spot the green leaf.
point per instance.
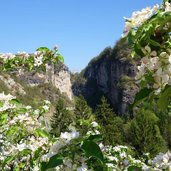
(37, 153)
(60, 57)
(95, 138)
(163, 100)
(25, 152)
(54, 161)
(41, 133)
(131, 36)
(3, 118)
(21, 110)
(92, 150)
(1, 104)
(15, 101)
(154, 43)
(44, 49)
(137, 49)
(134, 168)
(12, 131)
(141, 95)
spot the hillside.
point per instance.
(32, 87)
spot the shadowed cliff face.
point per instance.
(104, 75)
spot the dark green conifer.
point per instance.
(112, 126)
(144, 133)
(83, 115)
(61, 119)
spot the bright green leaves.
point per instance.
(92, 150)
(154, 43)
(34, 61)
(3, 118)
(41, 133)
(54, 161)
(95, 138)
(93, 153)
(151, 32)
(140, 96)
(43, 49)
(134, 168)
(164, 98)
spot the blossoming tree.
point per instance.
(25, 143)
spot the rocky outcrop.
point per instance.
(56, 75)
(104, 75)
(11, 84)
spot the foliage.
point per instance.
(24, 138)
(148, 32)
(105, 53)
(23, 60)
(61, 118)
(111, 125)
(145, 134)
(83, 115)
(122, 52)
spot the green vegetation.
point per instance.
(111, 125)
(144, 133)
(122, 51)
(61, 118)
(83, 115)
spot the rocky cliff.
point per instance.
(110, 74)
(56, 75)
(34, 87)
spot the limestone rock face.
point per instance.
(57, 75)
(11, 84)
(104, 76)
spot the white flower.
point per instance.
(69, 135)
(7, 56)
(110, 165)
(56, 47)
(36, 112)
(83, 168)
(47, 101)
(167, 6)
(45, 107)
(28, 107)
(47, 156)
(94, 124)
(112, 158)
(126, 162)
(22, 146)
(123, 155)
(74, 134)
(6, 97)
(68, 163)
(36, 168)
(57, 146)
(38, 60)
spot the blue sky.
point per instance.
(81, 28)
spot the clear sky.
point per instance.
(81, 28)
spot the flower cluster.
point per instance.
(149, 34)
(25, 144)
(30, 60)
(156, 67)
(22, 135)
(139, 17)
(162, 161)
(5, 102)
